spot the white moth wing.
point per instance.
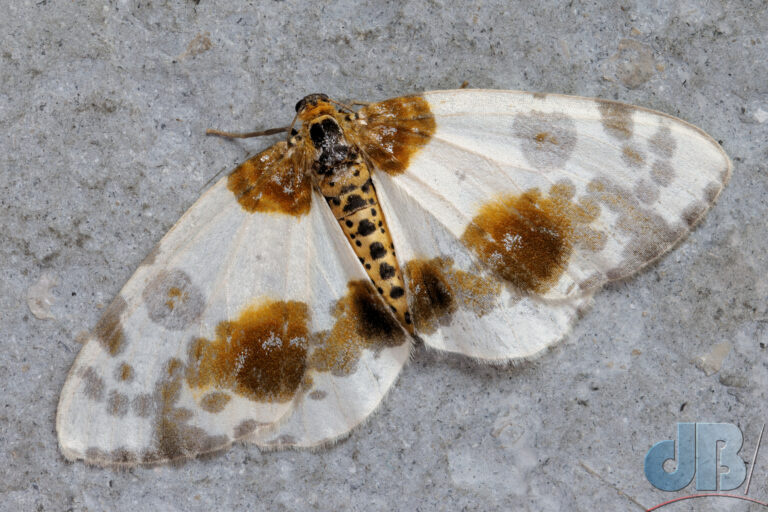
(342, 398)
(213, 338)
(127, 398)
(614, 185)
(337, 404)
(458, 304)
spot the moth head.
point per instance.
(310, 100)
(313, 106)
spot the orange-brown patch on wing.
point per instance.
(125, 372)
(273, 182)
(527, 239)
(390, 132)
(261, 355)
(437, 289)
(363, 321)
(109, 329)
(581, 213)
(542, 138)
(215, 402)
(174, 294)
(632, 156)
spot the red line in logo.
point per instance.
(715, 495)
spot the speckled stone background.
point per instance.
(103, 108)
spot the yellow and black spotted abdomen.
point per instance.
(352, 197)
(343, 177)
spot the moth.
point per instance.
(281, 307)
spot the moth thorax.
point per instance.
(331, 148)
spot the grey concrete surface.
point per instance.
(103, 108)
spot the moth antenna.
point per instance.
(291, 131)
(342, 105)
(211, 179)
(234, 135)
